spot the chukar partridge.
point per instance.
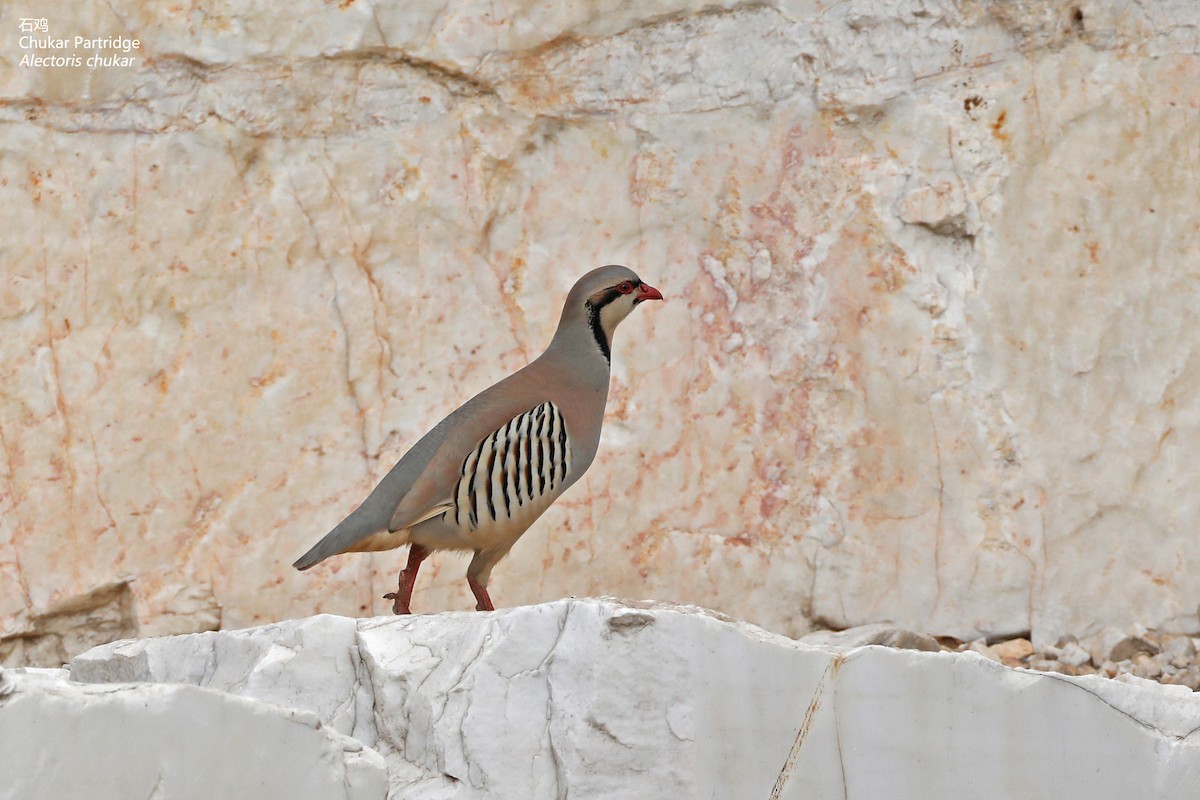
(480, 478)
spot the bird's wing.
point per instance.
(433, 488)
(440, 508)
(523, 460)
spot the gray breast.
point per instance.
(516, 471)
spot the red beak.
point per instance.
(648, 292)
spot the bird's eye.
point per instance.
(624, 287)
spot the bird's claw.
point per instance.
(396, 607)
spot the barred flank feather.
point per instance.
(522, 462)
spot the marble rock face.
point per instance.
(63, 739)
(926, 356)
(609, 699)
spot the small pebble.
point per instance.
(980, 646)
(1130, 647)
(1179, 647)
(1074, 655)
(1144, 666)
(1015, 649)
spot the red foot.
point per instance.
(482, 601)
(408, 577)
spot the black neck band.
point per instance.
(593, 312)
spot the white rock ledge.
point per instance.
(61, 740)
(583, 699)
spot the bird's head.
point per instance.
(604, 297)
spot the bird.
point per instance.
(486, 472)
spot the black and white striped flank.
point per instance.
(519, 464)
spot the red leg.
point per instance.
(482, 601)
(408, 577)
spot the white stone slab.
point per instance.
(607, 699)
(315, 658)
(171, 742)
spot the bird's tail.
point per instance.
(350, 534)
